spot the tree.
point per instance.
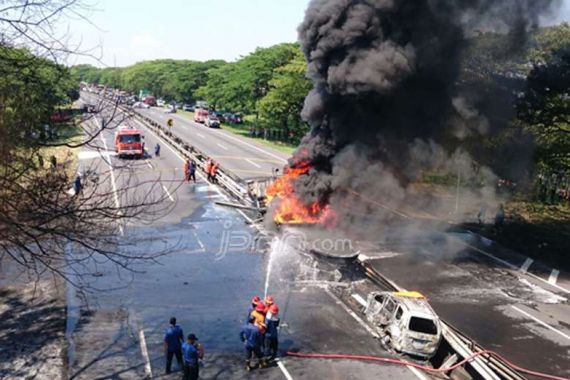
(240, 85)
(545, 109)
(282, 105)
(39, 218)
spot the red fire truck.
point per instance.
(129, 142)
(200, 115)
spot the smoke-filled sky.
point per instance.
(133, 30)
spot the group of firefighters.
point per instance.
(260, 333)
(190, 170)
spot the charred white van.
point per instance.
(406, 321)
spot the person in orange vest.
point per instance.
(268, 302)
(259, 315)
(209, 167)
(214, 171)
(187, 170)
(254, 301)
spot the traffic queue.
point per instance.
(260, 333)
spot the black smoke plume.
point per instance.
(386, 93)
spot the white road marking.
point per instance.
(149, 164)
(202, 248)
(284, 370)
(253, 163)
(553, 276)
(144, 350)
(352, 313)
(200, 135)
(527, 263)
(168, 193)
(177, 154)
(417, 372)
(514, 267)
(222, 146)
(113, 182)
(541, 322)
(359, 299)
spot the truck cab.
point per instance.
(129, 142)
(200, 115)
(406, 321)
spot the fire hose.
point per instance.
(423, 367)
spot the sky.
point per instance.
(123, 32)
(128, 31)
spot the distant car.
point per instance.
(220, 117)
(234, 118)
(160, 102)
(141, 105)
(212, 121)
(170, 109)
(188, 107)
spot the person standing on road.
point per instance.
(77, 186)
(213, 171)
(209, 167)
(187, 170)
(251, 337)
(272, 334)
(259, 315)
(157, 150)
(191, 356)
(192, 175)
(254, 301)
(173, 338)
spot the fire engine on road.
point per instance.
(129, 142)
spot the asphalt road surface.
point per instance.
(504, 307)
(244, 157)
(204, 278)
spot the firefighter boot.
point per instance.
(248, 366)
(263, 363)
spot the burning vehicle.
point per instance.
(406, 321)
(288, 207)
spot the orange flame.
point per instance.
(290, 209)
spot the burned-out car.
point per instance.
(406, 321)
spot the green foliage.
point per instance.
(172, 79)
(282, 105)
(545, 110)
(31, 88)
(240, 85)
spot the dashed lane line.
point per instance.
(113, 182)
(544, 324)
(222, 146)
(527, 263)
(144, 351)
(253, 163)
(284, 370)
(513, 267)
(553, 278)
(168, 193)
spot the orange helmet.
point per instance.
(274, 309)
(260, 307)
(269, 300)
(255, 300)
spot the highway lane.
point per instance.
(203, 281)
(506, 311)
(244, 157)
